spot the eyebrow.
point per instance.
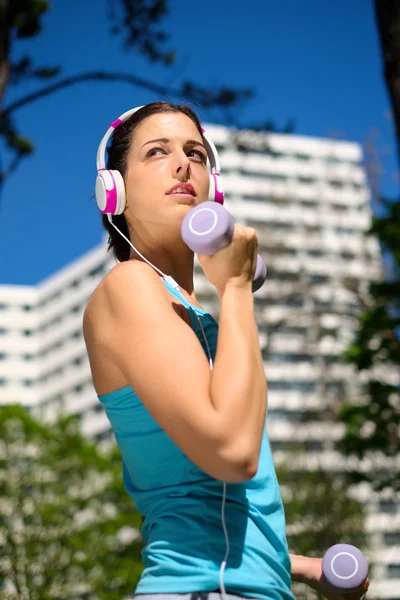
(166, 141)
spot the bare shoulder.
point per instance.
(118, 283)
(124, 301)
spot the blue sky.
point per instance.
(315, 62)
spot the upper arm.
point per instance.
(164, 362)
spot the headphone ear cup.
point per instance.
(216, 189)
(120, 188)
(211, 189)
(110, 192)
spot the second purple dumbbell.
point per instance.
(208, 228)
(345, 568)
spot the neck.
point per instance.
(179, 264)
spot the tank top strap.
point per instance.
(177, 294)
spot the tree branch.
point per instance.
(184, 92)
(11, 168)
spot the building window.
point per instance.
(286, 357)
(55, 296)
(315, 252)
(387, 506)
(104, 436)
(286, 330)
(293, 416)
(343, 231)
(312, 446)
(340, 208)
(332, 160)
(27, 332)
(291, 302)
(277, 176)
(311, 228)
(336, 184)
(96, 271)
(273, 153)
(3, 331)
(308, 204)
(254, 198)
(319, 278)
(27, 356)
(393, 571)
(3, 356)
(347, 255)
(292, 386)
(304, 179)
(3, 306)
(392, 539)
(286, 446)
(27, 382)
(3, 382)
(27, 308)
(322, 307)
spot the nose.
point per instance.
(182, 171)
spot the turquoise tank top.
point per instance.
(183, 532)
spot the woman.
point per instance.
(196, 457)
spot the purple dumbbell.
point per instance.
(208, 228)
(345, 568)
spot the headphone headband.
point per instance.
(101, 152)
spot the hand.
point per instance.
(312, 576)
(235, 264)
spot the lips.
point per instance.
(183, 188)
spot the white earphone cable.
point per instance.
(132, 246)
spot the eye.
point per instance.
(199, 155)
(154, 151)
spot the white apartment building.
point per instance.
(309, 202)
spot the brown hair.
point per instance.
(117, 154)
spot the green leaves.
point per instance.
(67, 526)
(136, 21)
(319, 513)
(25, 16)
(373, 423)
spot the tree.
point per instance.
(387, 13)
(373, 421)
(136, 21)
(68, 529)
(319, 513)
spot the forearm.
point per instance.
(238, 385)
(299, 566)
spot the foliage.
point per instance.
(319, 513)
(68, 529)
(373, 424)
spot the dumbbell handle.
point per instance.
(345, 568)
(208, 228)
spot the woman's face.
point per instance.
(167, 153)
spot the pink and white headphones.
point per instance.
(110, 187)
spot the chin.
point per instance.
(188, 201)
